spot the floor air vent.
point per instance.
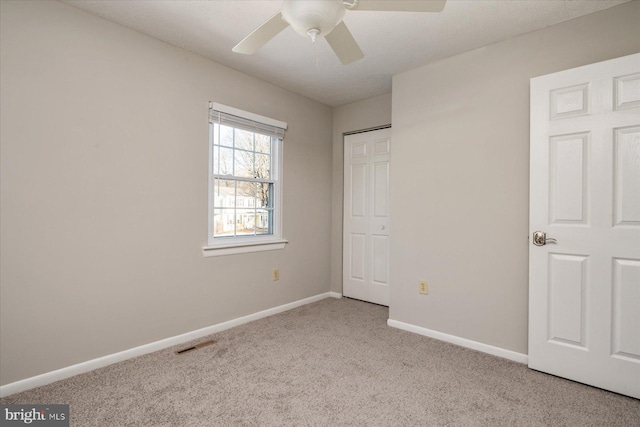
(195, 347)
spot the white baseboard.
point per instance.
(90, 365)
(463, 342)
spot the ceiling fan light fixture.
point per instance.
(324, 18)
(313, 18)
(313, 33)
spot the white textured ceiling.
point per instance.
(391, 41)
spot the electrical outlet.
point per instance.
(275, 274)
(423, 288)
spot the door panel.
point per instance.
(380, 257)
(358, 190)
(358, 256)
(626, 148)
(626, 315)
(366, 216)
(627, 91)
(584, 284)
(567, 176)
(567, 299)
(381, 189)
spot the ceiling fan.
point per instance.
(324, 18)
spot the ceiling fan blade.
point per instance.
(343, 44)
(261, 35)
(401, 5)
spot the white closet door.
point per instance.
(366, 216)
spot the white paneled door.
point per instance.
(584, 256)
(366, 216)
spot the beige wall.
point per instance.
(365, 114)
(104, 145)
(460, 176)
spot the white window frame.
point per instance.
(228, 245)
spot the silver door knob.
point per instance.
(540, 238)
(382, 227)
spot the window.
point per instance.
(245, 164)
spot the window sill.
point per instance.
(242, 248)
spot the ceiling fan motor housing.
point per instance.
(312, 18)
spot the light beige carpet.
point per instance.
(331, 363)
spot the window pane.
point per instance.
(263, 144)
(222, 161)
(246, 194)
(244, 140)
(264, 195)
(244, 163)
(245, 222)
(223, 222)
(213, 129)
(263, 166)
(226, 136)
(224, 193)
(215, 154)
(264, 221)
